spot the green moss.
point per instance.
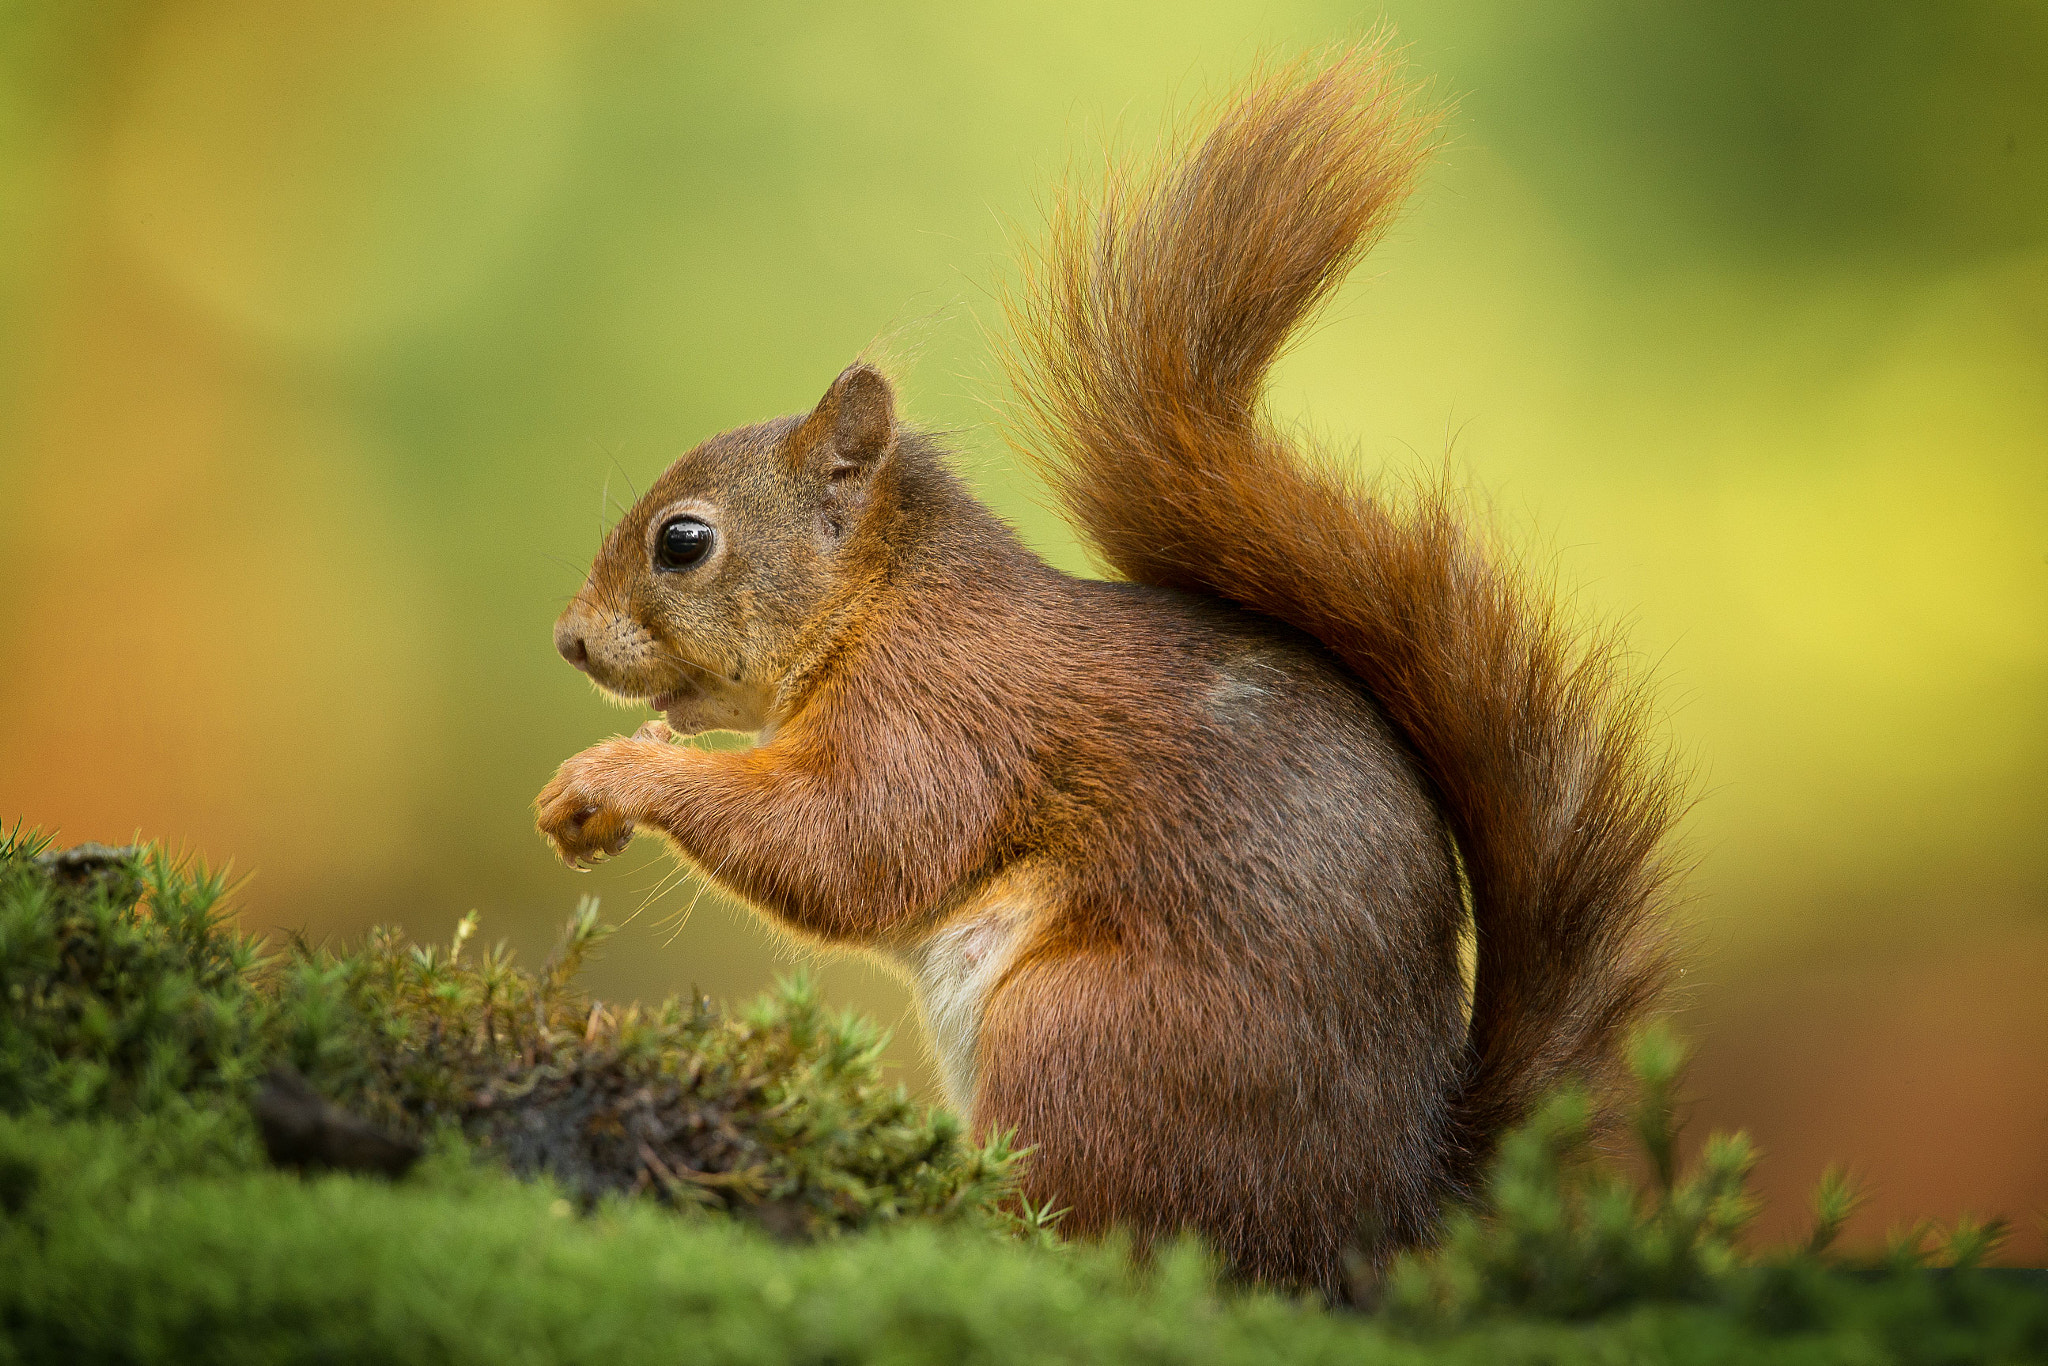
(102, 1262)
(105, 1010)
(128, 995)
(1562, 1232)
(139, 1221)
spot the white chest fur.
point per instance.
(953, 970)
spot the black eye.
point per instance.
(682, 543)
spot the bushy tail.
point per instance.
(1142, 336)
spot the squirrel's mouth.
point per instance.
(667, 702)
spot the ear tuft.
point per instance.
(854, 425)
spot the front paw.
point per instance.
(581, 810)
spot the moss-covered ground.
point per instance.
(682, 1184)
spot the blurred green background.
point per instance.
(325, 329)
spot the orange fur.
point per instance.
(1174, 863)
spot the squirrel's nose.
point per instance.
(569, 640)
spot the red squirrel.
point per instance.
(1178, 864)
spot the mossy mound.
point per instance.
(129, 995)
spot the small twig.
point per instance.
(744, 1183)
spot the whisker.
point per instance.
(702, 887)
(620, 465)
(567, 564)
(662, 884)
(668, 653)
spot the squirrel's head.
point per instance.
(718, 582)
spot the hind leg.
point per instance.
(1160, 1101)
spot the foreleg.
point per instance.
(832, 851)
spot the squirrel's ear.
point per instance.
(852, 427)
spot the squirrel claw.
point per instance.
(584, 827)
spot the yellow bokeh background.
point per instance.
(331, 334)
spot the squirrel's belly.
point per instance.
(954, 966)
